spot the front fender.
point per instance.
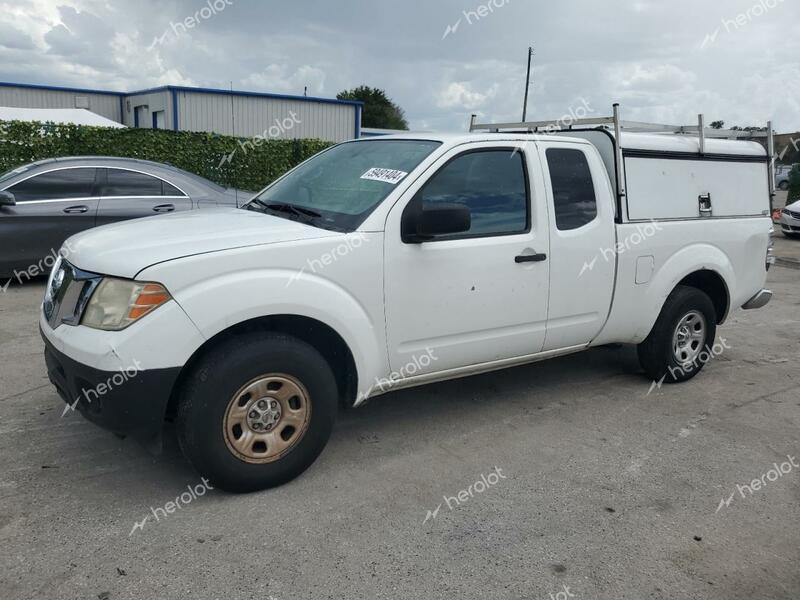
(218, 303)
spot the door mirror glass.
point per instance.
(427, 221)
(7, 199)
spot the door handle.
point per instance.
(71, 210)
(530, 258)
(164, 208)
(704, 201)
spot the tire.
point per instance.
(689, 307)
(791, 236)
(221, 394)
(783, 186)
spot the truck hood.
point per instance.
(124, 249)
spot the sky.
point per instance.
(440, 60)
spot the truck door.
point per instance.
(478, 296)
(583, 243)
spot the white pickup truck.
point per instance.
(387, 263)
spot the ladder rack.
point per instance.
(618, 126)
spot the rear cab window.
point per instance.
(574, 196)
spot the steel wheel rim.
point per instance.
(689, 337)
(266, 418)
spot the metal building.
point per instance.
(243, 114)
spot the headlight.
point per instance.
(116, 303)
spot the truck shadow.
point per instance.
(456, 406)
(533, 386)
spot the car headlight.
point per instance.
(116, 303)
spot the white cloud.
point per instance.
(460, 95)
(639, 52)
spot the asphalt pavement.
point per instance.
(575, 478)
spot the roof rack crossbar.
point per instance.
(618, 126)
(567, 123)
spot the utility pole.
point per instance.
(527, 85)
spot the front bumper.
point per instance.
(760, 300)
(789, 224)
(127, 402)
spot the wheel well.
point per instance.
(319, 335)
(714, 286)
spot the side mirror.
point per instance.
(7, 199)
(422, 222)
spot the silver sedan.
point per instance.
(44, 203)
(790, 220)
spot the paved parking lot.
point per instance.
(570, 479)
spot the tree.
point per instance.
(717, 125)
(750, 128)
(379, 111)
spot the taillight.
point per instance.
(771, 248)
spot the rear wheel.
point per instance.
(681, 341)
(783, 185)
(256, 411)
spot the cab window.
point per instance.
(494, 186)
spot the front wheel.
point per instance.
(256, 411)
(681, 341)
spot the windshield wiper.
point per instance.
(300, 211)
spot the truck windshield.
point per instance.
(340, 187)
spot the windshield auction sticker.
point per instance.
(385, 175)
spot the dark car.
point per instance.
(44, 203)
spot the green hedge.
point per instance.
(249, 168)
(794, 185)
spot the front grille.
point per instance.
(67, 293)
